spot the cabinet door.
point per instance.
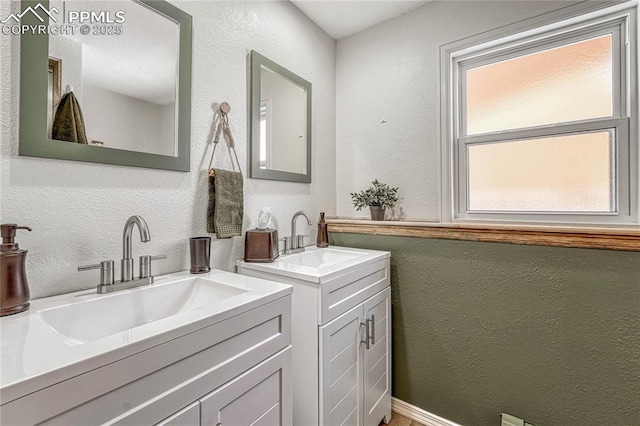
(260, 397)
(189, 416)
(377, 359)
(340, 370)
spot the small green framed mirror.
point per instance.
(124, 65)
(280, 116)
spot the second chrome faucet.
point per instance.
(295, 243)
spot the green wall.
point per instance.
(548, 334)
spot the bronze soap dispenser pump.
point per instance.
(14, 289)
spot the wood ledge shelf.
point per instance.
(600, 238)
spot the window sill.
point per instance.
(553, 236)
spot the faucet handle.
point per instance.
(106, 271)
(300, 241)
(288, 243)
(145, 264)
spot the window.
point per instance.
(542, 126)
(265, 134)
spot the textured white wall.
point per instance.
(77, 210)
(392, 72)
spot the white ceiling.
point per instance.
(342, 18)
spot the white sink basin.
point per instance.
(316, 264)
(85, 321)
(321, 258)
(63, 336)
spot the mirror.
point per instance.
(280, 117)
(124, 67)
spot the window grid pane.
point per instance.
(567, 83)
(569, 173)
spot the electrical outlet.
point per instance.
(509, 420)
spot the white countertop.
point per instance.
(33, 355)
(292, 266)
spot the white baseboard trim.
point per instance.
(418, 414)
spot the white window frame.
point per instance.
(266, 116)
(525, 38)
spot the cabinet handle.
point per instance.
(366, 333)
(371, 328)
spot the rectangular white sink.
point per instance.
(62, 336)
(319, 259)
(85, 321)
(318, 264)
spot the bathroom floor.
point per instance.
(398, 420)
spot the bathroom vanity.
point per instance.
(208, 349)
(341, 333)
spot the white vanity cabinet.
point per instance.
(341, 334)
(231, 370)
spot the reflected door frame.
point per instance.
(54, 91)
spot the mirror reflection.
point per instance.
(280, 123)
(121, 79)
(283, 123)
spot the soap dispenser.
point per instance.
(323, 233)
(14, 289)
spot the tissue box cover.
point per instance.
(261, 245)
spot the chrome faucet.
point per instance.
(295, 242)
(126, 271)
(107, 283)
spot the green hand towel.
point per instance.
(68, 124)
(225, 207)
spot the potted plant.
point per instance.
(377, 197)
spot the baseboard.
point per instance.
(418, 414)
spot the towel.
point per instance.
(68, 124)
(225, 207)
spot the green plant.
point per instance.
(379, 194)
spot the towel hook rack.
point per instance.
(222, 125)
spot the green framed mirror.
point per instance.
(127, 64)
(280, 117)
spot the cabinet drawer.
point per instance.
(189, 416)
(342, 293)
(150, 386)
(261, 396)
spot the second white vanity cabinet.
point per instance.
(341, 333)
(355, 373)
